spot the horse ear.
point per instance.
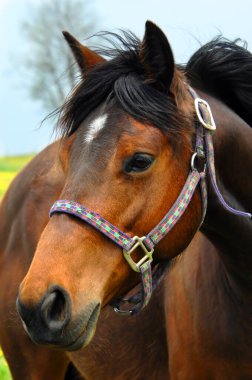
(156, 57)
(85, 57)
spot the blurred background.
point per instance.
(34, 75)
(36, 68)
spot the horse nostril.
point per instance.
(56, 309)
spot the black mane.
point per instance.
(220, 67)
(121, 80)
(224, 69)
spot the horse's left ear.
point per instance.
(85, 57)
(156, 57)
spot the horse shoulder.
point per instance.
(25, 206)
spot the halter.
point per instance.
(203, 152)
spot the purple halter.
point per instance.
(204, 151)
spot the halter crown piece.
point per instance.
(204, 151)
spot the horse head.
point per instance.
(127, 141)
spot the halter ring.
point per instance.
(147, 257)
(194, 157)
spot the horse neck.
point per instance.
(231, 234)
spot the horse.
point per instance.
(134, 162)
(29, 361)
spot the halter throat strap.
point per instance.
(206, 119)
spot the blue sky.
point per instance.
(184, 22)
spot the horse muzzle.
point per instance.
(50, 322)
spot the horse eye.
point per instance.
(138, 163)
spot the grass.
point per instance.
(4, 370)
(9, 166)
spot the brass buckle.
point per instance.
(147, 256)
(210, 123)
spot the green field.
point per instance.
(4, 370)
(9, 166)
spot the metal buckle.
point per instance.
(147, 256)
(210, 123)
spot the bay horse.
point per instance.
(136, 142)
